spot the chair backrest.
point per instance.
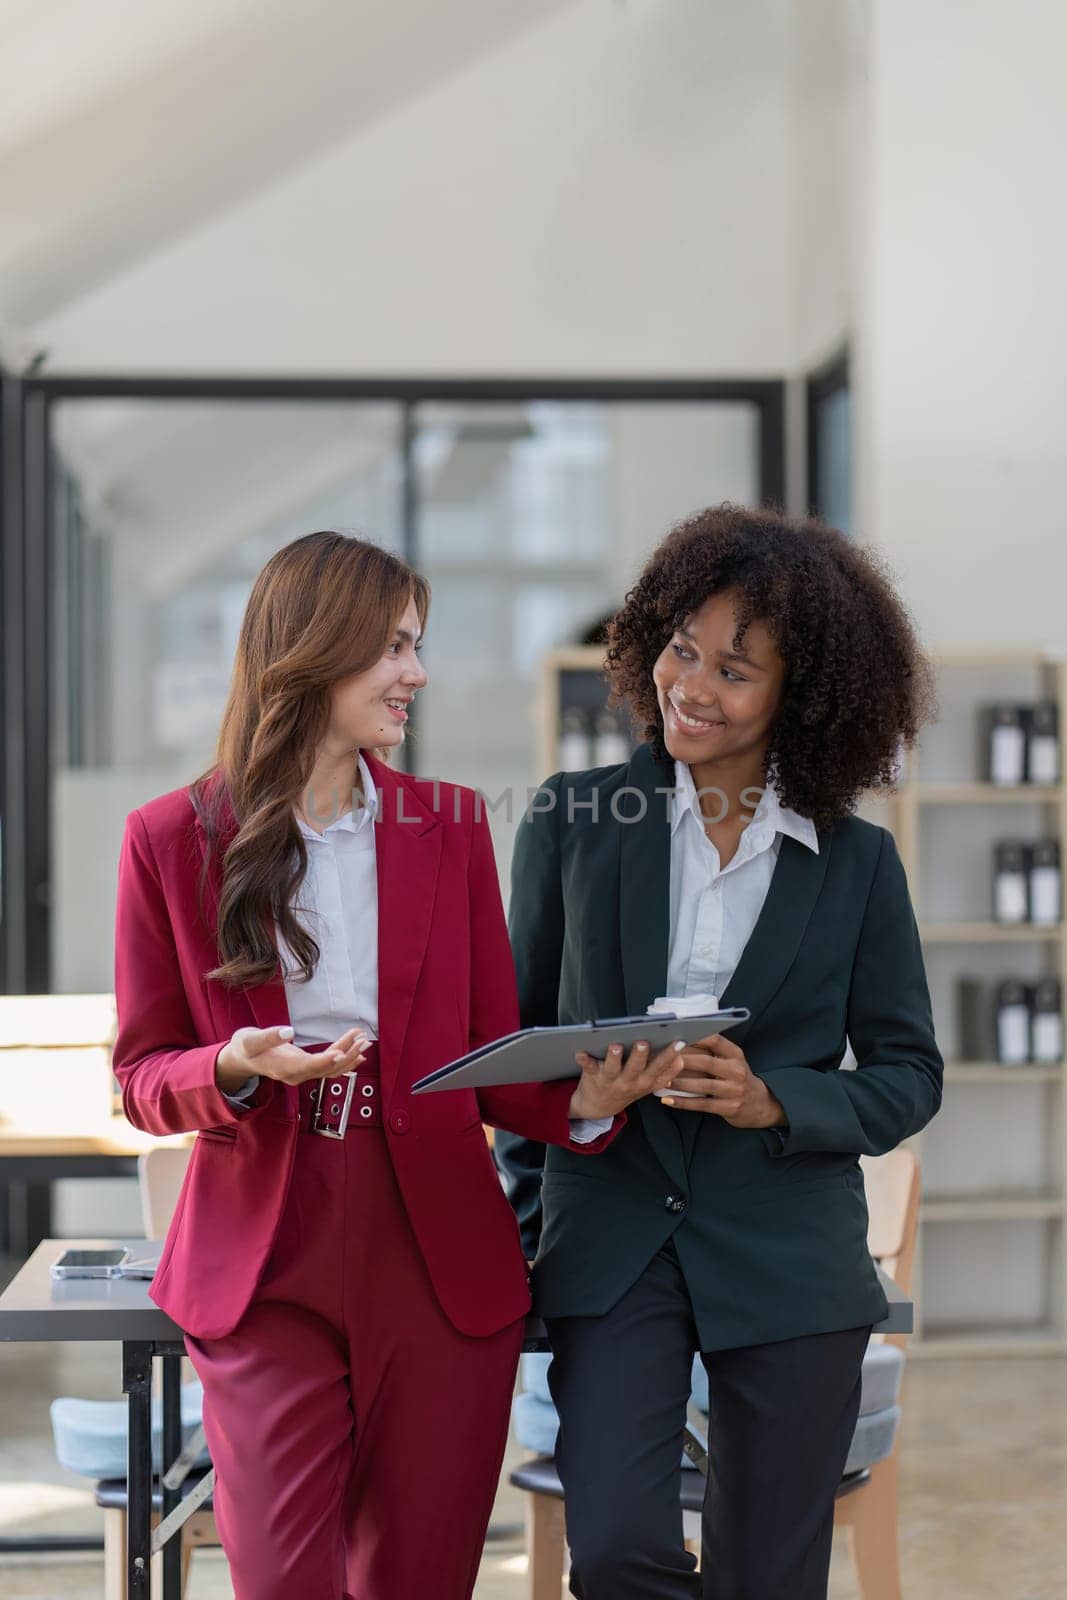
(160, 1172)
(893, 1184)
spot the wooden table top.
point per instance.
(113, 1137)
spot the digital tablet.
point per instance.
(539, 1055)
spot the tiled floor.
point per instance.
(984, 1484)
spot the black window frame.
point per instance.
(821, 385)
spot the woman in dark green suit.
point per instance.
(778, 679)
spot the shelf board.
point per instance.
(959, 1343)
(984, 794)
(998, 658)
(992, 1207)
(987, 933)
(997, 1072)
(578, 658)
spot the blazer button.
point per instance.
(674, 1202)
(399, 1121)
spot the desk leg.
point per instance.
(29, 1217)
(137, 1385)
(172, 1444)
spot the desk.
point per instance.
(34, 1307)
(33, 1160)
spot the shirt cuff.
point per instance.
(585, 1129)
(239, 1098)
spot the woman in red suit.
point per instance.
(300, 935)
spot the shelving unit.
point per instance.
(990, 1341)
(988, 794)
(984, 933)
(996, 1072)
(583, 662)
(993, 1207)
(980, 1110)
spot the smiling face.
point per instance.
(369, 710)
(719, 703)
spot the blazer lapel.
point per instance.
(775, 941)
(644, 923)
(408, 844)
(773, 944)
(644, 883)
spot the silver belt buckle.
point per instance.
(346, 1082)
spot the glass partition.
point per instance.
(532, 520)
(530, 516)
(163, 512)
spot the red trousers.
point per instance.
(356, 1436)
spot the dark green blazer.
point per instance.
(770, 1228)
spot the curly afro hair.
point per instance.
(857, 685)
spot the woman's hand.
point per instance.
(269, 1053)
(716, 1072)
(609, 1086)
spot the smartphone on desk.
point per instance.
(103, 1263)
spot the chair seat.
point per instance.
(91, 1435)
(882, 1368)
(540, 1477)
(536, 1423)
(873, 1439)
(110, 1493)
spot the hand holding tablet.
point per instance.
(539, 1055)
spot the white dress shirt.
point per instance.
(338, 905)
(714, 909)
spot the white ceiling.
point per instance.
(123, 125)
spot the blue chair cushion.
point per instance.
(536, 1424)
(533, 1372)
(883, 1368)
(90, 1435)
(873, 1439)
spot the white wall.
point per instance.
(124, 126)
(610, 192)
(962, 332)
(829, 46)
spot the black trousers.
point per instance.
(781, 1422)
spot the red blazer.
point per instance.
(446, 985)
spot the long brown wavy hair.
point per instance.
(323, 607)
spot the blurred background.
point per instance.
(509, 286)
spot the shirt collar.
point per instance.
(360, 816)
(770, 818)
